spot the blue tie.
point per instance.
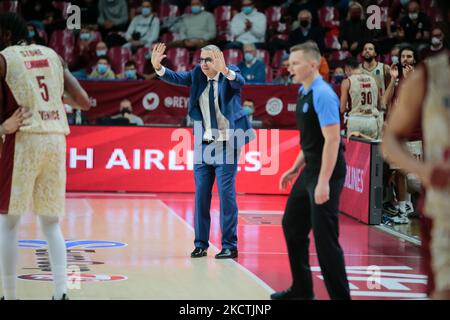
(212, 108)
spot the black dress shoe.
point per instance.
(288, 294)
(198, 253)
(227, 254)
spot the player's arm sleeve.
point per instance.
(326, 104)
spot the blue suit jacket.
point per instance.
(229, 96)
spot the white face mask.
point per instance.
(413, 16)
(435, 41)
(394, 60)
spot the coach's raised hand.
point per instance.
(219, 62)
(158, 55)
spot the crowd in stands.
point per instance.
(256, 35)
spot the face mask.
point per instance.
(101, 53)
(146, 12)
(404, 2)
(196, 9)
(338, 78)
(130, 74)
(248, 111)
(413, 16)
(125, 110)
(85, 36)
(304, 23)
(435, 41)
(31, 34)
(394, 60)
(102, 68)
(247, 9)
(248, 57)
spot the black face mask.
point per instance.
(304, 23)
(126, 110)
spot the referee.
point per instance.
(314, 199)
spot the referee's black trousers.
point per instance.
(302, 214)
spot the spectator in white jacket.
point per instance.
(248, 26)
(143, 29)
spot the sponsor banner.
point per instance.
(157, 102)
(143, 159)
(84, 277)
(356, 193)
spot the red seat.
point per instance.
(167, 37)
(179, 58)
(140, 59)
(168, 10)
(276, 60)
(62, 6)
(273, 15)
(332, 41)
(10, 6)
(387, 59)
(269, 73)
(233, 56)
(339, 55)
(329, 17)
(63, 42)
(222, 15)
(263, 55)
(196, 56)
(43, 35)
(118, 56)
(384, 16)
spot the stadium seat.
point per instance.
(233, 56)
(332, 41)
(168, 10)
(269, 74)
(276, 60)
(196, 56)
(140, 59)
(168, 37)
(273, 15)
(63, 42)
(10, 6)
(264, 56)
(179, 57)
(62, 6)
(329, 17)
(337, 56)
(222, 14)
(118, 56)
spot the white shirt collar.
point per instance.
(216, 78)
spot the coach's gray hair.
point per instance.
(310, 48)
(210, 47)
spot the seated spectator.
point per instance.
(354, 32)
(101, 49)
(303, 31)
(33, 35)
(103, 70)
(126, 112)
(252, 69)
(113, 17)
(248, 26)
(196, 29)
(86, 56)
(415, 27)
(130, 72)
(397, 10)
(249, 108)
(295, 6)
(436, 46)
(338, 76)
(283, 73)
(143, 29)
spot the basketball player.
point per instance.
(32, 166)
(361, 92)
(425, 98)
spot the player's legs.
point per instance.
(57, 253)
(9, 226)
